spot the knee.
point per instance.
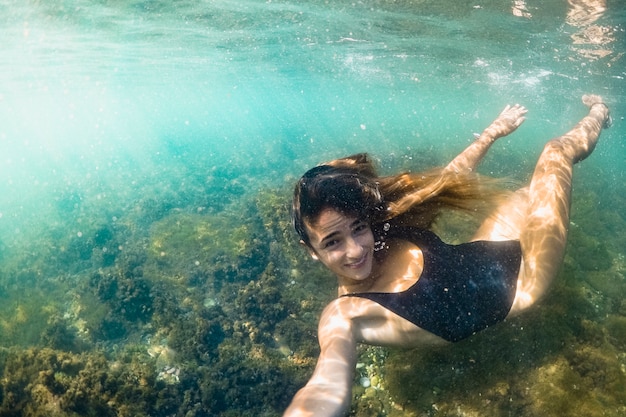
(573, 147)
(554, 146)
(560, 149)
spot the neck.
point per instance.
(355, 287)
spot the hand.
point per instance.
(510, 119)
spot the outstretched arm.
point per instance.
(509, 120)
(328, 392)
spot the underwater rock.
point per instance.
(59, 334)
(299, 335)
(199, 338)
(272, 207)
(78, 247)
(110, 328)
(260, 304)
(45, 382)
(69, 201)
(121, 303)
(127, 294)
(590, 253)
(220, 248)
(102, 236)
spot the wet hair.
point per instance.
(347, 185)
(351, 186)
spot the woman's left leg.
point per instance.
(538, 215)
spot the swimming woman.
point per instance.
(399, 284)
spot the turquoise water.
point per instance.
(147, 152)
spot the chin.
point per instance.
(361, 275)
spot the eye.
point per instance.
(361, 227)
(330, 243)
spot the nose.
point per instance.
(354, 250)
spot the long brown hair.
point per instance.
(351, 186)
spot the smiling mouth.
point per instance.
(359, 263)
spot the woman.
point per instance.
(399, 284)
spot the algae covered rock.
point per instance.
(222, 247)
(45, 382)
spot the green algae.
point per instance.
(25, 315)
(57, 383)
(183, 236)
(207, 302)
(214, 312)
(224, 247)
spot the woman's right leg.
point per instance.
(543, 230)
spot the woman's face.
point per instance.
(344, 244)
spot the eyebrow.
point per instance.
(332, 234)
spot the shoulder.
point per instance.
(358, 313)
(343, 319)
(363, 320)
(346, 312)
(347, 308)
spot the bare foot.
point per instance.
(596, 104)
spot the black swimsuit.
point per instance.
(462, 289)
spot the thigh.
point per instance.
(507, 220)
